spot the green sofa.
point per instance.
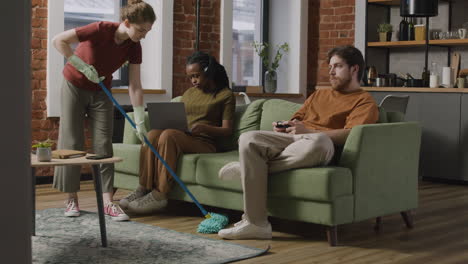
(376, 174)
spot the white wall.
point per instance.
(16, 216)
(360, 26)
(156, 68)
(55, 60)
(288, 23)
(225, 56)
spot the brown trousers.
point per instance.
(170, 143)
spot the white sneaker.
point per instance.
(130, 198)
(147, 204)
(241, 221)
(230, 171)
(246, 230)
(72, 210)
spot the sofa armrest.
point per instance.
(384, 160)
(130, 153)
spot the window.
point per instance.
(239, 27)
(248, 20)
(84, 12)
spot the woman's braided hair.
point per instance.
(212, 69)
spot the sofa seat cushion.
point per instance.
(131, 162)
(208, 166)
(186, 168)
(316, 184)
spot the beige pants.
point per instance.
(263, 152)
(170, 144)
(78, 105)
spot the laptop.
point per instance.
(165, 115)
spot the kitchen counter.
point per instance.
(409, 89)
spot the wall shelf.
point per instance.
(406, 89)
(396, 44)
(435, 42)
(389, 2)
(385, 2)
(449, 42)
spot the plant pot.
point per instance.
(382, 36)
(270, 82)
(389, 36)
(43, 154)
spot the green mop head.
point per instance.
(213, 223)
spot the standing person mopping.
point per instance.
(103, 48)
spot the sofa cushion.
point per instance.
(246, 118)
(131, 162)
(275, 110)
(208, 166)
(316, 184)
(186, 166)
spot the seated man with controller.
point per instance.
(307, 140)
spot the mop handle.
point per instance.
(205, 213)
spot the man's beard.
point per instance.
(340, 84)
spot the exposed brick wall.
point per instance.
(185, 36)
(312, 45)
(336, 27)
(42, 127)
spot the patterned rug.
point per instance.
(60, 239)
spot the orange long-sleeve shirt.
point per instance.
(327, 109)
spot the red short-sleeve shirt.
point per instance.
(97, 47)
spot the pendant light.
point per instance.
(419, 8)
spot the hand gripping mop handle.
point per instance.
(205, 213)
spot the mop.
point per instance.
(213, 222)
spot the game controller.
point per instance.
(280, 124)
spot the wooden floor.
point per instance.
(440, 234)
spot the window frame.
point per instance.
(264, 28)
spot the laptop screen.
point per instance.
(165, 115)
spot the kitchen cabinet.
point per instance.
(464, 137)
(444, 142)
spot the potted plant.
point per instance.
(43, 150)
(385, 32)
(263, 49)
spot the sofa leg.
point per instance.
(407, 218)
(332, 235)
(378, 224)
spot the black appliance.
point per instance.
(419, 8)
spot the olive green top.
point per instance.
(207, 109)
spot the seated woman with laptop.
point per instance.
(209, 106)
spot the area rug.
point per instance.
(61, 239)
